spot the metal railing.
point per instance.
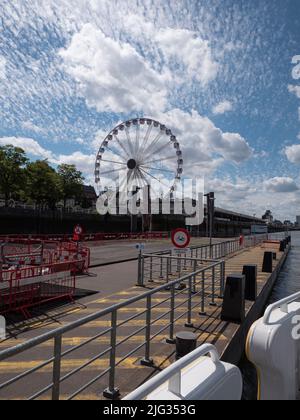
(172, 264)
(179, 299)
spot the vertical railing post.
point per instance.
(56, 368)
(202, 310)
(179, 265)
(147, 361)
(171, 339)
(168, 270)
(194, 276)
(171, 263)
(151, 270)
(140, 281)
(189, 323)
(222, 278)
(213, 286)
(111, 392)
(161, 276)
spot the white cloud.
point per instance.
(2, 67)
(79, 140)
(222, 107)
(183, 46)
(255, 196)
(296, 69)
(194, 52)
(294, 89)
(204, 145)
(293, 153)
(30, 146)
(111, 75)
(30, 126)
(84, 163)
(281, 185)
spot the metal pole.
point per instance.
(222, 286)
(171, 340)
(161, 268)
(56, 368)
(111, 392)
(202, 312)
(213, 287)
(151, 270)
(194, 277)
(140, 281)
(168, 269)
(147, 361)
(189, 323)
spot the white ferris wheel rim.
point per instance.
(137, 156)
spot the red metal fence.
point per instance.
(33, 272)
(88, 237)
(33, 252)
(26, 287)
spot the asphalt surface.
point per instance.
(110, 252)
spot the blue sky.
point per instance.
(218, 72)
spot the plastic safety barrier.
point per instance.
(273, 346)
(194, 377)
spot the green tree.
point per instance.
(43, 184)
(12, 173)
(71, 182)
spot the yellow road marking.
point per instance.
(75, 341)
(153, 300)
(70, 364)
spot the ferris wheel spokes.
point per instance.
(122, 146)
(129, 140)
(146, 138)
(136, 150)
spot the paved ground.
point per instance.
(112, 285)
(106, 252)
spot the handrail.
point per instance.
(282, 305)
(89, 318)
(173, 373)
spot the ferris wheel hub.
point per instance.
(131, 164)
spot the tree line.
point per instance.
(37, 182)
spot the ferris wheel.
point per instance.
(139, 153)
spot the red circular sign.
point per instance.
(78, 230)
(181, 238)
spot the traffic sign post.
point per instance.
(181, 239)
